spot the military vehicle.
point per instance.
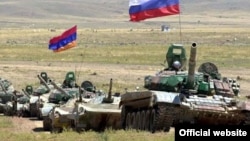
(59, 96)
(23, 103)
(18, 106)
(175, 97)
(37, 96)
(7, 93)
(64, 97)
(93, 110)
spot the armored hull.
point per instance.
(97, 115)
(94, 110)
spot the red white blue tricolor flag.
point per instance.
(144, 9)
(64, 41)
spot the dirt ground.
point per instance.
(22, 73)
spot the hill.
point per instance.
(114, 13)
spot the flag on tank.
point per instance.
(144, 9)
(64, 41)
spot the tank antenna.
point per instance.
(78, 74)
(180, 27)
(180, 24)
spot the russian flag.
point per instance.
(144, 9)
(64, 41)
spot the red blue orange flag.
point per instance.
(64, 41)
(144, 9)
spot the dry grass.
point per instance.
(9, 133)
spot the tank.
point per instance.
(23, 102)
(93, 110)
(177, 96)
(59, 96)
(17, 101)
(39, 95)
(7, 93)
(51, 120)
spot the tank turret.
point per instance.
(174, 78)
(26, 93)
(63, 92)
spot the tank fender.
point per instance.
(244, 105)
(167, 97)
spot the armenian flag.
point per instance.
(64, 41)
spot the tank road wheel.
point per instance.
(169, 118)
(142, 120)
(137, 121)
(123, 117)
(133, 120)
(128, 126)
(152, 121)
(147, 120)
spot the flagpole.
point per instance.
(180, 28)
(180, 24)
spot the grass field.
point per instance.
(226, 47)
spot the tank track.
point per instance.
(247, 120)
(159, 118)
(164, 117)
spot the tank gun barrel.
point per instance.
(43, 82)
(191, 66)
(25, 93)
(3, 88)
(59, 88)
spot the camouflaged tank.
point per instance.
(58, 97)
(61, 93)
(37, 96)
(17, 105)
(7, 93)
(176, 96)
